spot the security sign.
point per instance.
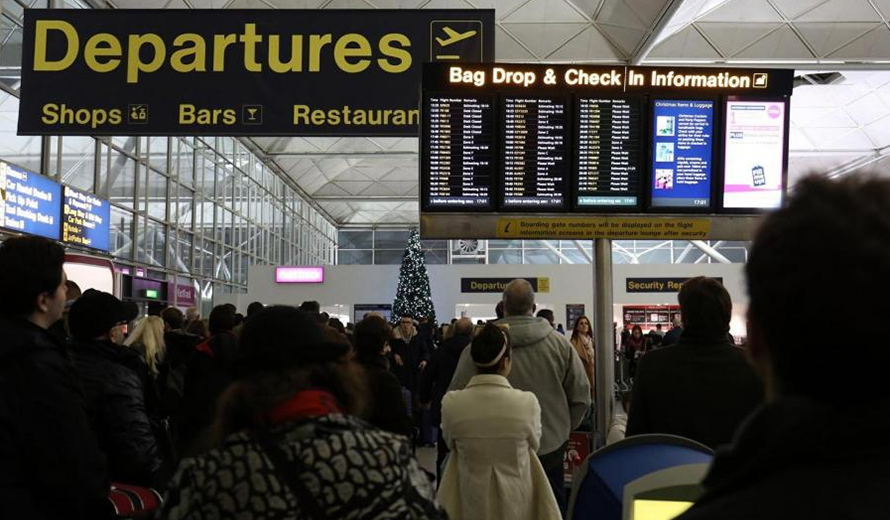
(237, 72)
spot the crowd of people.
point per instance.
(288, 413)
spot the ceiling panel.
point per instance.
(853, 114)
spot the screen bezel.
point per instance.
(716, 156)
(501, 131)
(641, 156)
(785, 146)
(425, 157)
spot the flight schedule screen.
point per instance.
(607, 161)
(459, 160)
(534, 153)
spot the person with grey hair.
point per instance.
(546, 364)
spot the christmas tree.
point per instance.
(413, 296)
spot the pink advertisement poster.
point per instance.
(753, 160)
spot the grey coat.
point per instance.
(546, 364)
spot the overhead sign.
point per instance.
(614, 79)
(303, 274)
(656, 285)
(497, 285)
(29, 203)
(238, 72)
(85, 219)
(603, 227)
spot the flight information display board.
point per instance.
(682, 145)
(29, 203)
(754, 158)
(534, 153)
(85, 220)
(457, 163)
(607, 154)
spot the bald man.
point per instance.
(545, 364)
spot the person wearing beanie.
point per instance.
(493, 432)
(702, 388)
(289, 441)
(115, 380)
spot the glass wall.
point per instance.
(386, 247)
(193, 210)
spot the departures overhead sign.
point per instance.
(238, 72)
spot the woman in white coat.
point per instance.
(493, 432)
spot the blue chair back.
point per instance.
(597, 493)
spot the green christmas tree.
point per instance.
(413, 296)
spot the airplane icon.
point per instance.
(454, 36)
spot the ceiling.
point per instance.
(839, 122)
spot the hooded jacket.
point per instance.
(546, 364)
(795, 458)
(50, 460)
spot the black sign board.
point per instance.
(656, 285)
(237, 72)
(602, 139)
(574, 311)
(497, 285)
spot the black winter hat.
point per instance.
(281, 337)
(96, 312)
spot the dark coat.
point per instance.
(412, 353)
(434, 381)
(672, 336)
(116, 405)
(51, 463)
(701, 389)
(180, 347)
(798, 459)
(209, 373)
(388, 410)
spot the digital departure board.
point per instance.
(682, 142)
(29, 203)
(458, 161)
(534, 153)
(85, 219)
(608, 146)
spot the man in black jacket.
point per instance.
(701, 388)
(50, 462)
(116, 381)
(813, 451)
(435, 379)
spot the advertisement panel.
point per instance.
(682, 144)
(754, 157)
(332, 72)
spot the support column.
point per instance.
(603, 335)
